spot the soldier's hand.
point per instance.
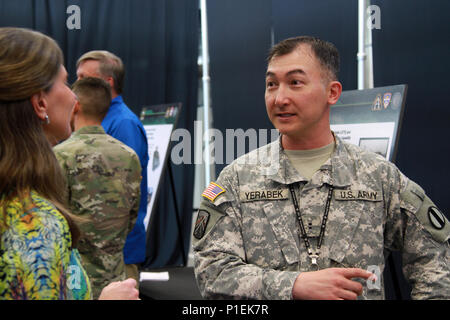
(120, 290)
(329, 284)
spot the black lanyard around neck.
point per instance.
(323, 225)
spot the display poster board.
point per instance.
(370, 118)
(159, 121)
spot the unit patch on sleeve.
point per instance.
(201, 223)
(436, 217)
(430, 217)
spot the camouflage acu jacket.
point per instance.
(103, 177)
(246, 238)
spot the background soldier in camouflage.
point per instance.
(103, 176)
(354, 207)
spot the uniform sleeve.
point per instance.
(63, 159)
(421, 231)
(220, 259)
(135, 182)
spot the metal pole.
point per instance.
(368, 82)
(361, 56)
(206, 90)
(364, 56)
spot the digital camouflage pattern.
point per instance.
(103, 176)
(250, 247)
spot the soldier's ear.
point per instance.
(334, 92)
(75, 111)
(77, 107)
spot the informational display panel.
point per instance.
(159, 121)
(370, 118)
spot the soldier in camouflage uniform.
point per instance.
(251, 242)
(103, 176)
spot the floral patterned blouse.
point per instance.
(36, 259)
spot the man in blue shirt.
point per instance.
(121, 123)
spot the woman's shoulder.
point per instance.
(35, 247)
(33, 223)
(35, 215)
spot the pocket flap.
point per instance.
(282, 233)
(342, 230)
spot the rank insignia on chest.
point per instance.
(213, 191)
(201, 223)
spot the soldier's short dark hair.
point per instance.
(325, 52)
(94, 95)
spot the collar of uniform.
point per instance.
(89, 130)
(331, 170)
(285, 173)
(342, 169)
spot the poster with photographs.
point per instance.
(378, 145)
(159, 122)
(370, 118)
(375, 137)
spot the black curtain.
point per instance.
(334, 21)
(158, 43)
(239, 39)
(412, 47)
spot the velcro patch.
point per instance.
(201, 223)
(436, 217)
(213, 191)
(258, 195)
(207, 217)
(430, 217)
(358, 195)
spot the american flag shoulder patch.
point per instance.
(213, 191)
